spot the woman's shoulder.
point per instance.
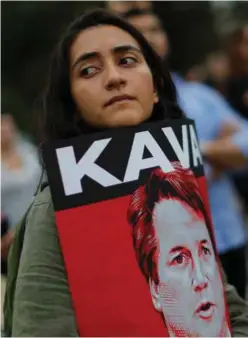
(41, 216)
(41, 234)
(42, 277)
(43, 196)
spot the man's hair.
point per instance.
(180, 184)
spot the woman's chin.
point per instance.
(130, 119)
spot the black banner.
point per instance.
(91, 168)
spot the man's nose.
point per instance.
(114, 78)
(200, 280)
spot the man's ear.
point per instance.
(154, 289)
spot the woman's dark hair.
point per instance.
(60, 113)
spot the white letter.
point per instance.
(181, 152)
(72, 172)
(136, 162)
(197, 159)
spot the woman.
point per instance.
(103, 75)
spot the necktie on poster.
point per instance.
(135, 229)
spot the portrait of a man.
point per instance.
(175, 252)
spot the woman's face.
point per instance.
(189, 292)
(111, 82)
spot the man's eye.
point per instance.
(88, 71)
(128, 60)
(179, 259)
(206, 250)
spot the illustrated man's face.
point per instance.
(189, 292)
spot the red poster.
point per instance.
(136, 234)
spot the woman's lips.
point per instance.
(119, 98)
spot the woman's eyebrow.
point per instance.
(85, 57)
(117, 49)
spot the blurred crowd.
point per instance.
(213, 93)
(20, 174)
(226, 70)
(219, 108)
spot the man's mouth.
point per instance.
(205, 310)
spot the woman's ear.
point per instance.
(154, 289)
(156, 98)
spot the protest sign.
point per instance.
(135, 230)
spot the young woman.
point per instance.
(103, 75)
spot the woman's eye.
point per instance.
(88, 71)
(128, 60)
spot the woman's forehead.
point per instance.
(100, 39)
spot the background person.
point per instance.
(224, 146)
(237, 84)
(20, 172)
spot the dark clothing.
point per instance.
(4, 230)
(234, 264)
(236, 89)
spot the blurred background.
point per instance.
(208, 44)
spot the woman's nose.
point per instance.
(114, 78)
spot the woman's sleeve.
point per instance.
(238, 310)
(42, 303)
